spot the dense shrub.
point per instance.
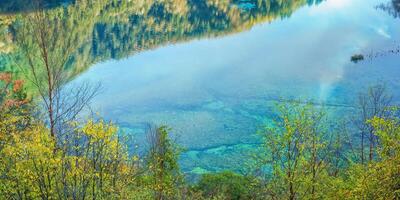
(226, 184)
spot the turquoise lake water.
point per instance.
(215, 92)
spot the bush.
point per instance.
(227, 184)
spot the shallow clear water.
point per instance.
(215, 92)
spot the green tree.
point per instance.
(164, 174)
(295, 152)
(228, 185)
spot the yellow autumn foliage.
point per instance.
(33, 166)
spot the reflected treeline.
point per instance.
(106, 29)
(15, 6)
(393, 8)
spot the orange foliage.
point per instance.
(18, 84)
(5, 77)
(10, 90)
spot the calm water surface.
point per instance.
(216, 92)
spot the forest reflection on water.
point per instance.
(213, 70)
(117, 29)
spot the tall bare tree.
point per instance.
(47, 43)
(372, 103)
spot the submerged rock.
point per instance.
(199, 171)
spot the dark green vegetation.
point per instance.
(15, 6)
(227, 185)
